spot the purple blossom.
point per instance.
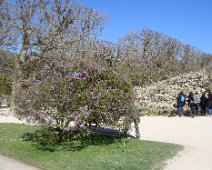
(75, 75)
(86, 114)
(90, 66)
(38, 83)
(46, 67)
(77, 118)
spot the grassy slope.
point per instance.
(134, 154)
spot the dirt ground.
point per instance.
(194, 133)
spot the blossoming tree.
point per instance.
(67, 97)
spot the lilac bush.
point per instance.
(68, 97)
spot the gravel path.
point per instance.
(194, 133)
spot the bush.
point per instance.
(66, 97)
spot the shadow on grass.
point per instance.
(88, 140)
(47, 141)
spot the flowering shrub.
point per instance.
(66, 97)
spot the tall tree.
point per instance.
(152, 56)
(45, 25)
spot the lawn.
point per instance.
(106, 154)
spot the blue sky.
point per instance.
(189, 21)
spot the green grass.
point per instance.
(113, 154)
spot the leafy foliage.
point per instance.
(7, 71)
(66, 97)
(5, 88)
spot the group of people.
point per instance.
(202, 106)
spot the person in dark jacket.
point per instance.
(181, 98)
(189, 98)
(194, 104)
(191, 104)
(203, 104)
(209, 104)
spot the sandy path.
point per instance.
(7, 116)
(194, 133)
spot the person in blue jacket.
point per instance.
(181, 99)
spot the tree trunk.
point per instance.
(15, 88)
(23, 55)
